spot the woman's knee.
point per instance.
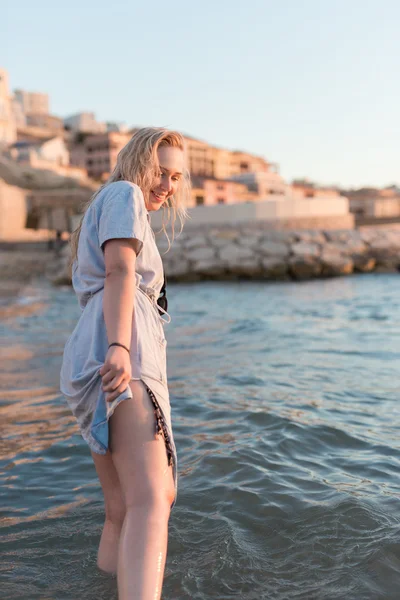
(151, 492)
(115, 510)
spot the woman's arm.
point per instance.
(118, 303)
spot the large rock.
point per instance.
(304, 267)
(333, 264)
(202, 253)
(342, 236)
(303, 249)
(274, 268)
(271, 248)
(310, 237)
(387, 264)
(247, 268)
(208, 267)
(177, 269)
(368, 235)
(252, 232)
(286, 237)
(385, 246)
(196, 241)
(233, 254)
(355, 247)
(363, 263)
(162, 244)
(340, 248)
(220, 238)
(249, 240)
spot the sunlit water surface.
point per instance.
(286, 414)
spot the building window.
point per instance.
(221, 200)
(199, 200)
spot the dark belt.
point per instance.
(162, 299)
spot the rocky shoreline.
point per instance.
(250, 253)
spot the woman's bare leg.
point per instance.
(140, 459)
(107, 557)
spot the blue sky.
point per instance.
(313, 85)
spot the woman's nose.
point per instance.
(166, 184)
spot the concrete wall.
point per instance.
(290, 213)
(13, 210)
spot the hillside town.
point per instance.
(80, 147)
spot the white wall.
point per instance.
(271, 209)
(56, 151)
(13, 210)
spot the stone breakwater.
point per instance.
(274, 255)
(244, 253)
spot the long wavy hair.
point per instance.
(137, 162)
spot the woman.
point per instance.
(114, 365)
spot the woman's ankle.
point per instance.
(107, 556)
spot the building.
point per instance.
(101, 152)
(50, 122)
(8, 131)
(209, 161)
(264, 183)
(374, 203)
(304, 188)
(19, 115)
(34, 135)
(31, 111)
(98, 153)
(200, 157)
(243, 162)
(222, 168)
(77, 155)
(84, 122)
(115, 126)
(209, 191)
(45, 154)
(34, 103)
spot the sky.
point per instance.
(312, 85)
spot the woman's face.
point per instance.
(171, 163)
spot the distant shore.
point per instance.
(224, 254)
(259, 254)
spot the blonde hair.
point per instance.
(137, 162)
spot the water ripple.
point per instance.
(286, 419)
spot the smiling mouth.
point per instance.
(160, 198)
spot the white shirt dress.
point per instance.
(118, 211)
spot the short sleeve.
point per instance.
(122, 215)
